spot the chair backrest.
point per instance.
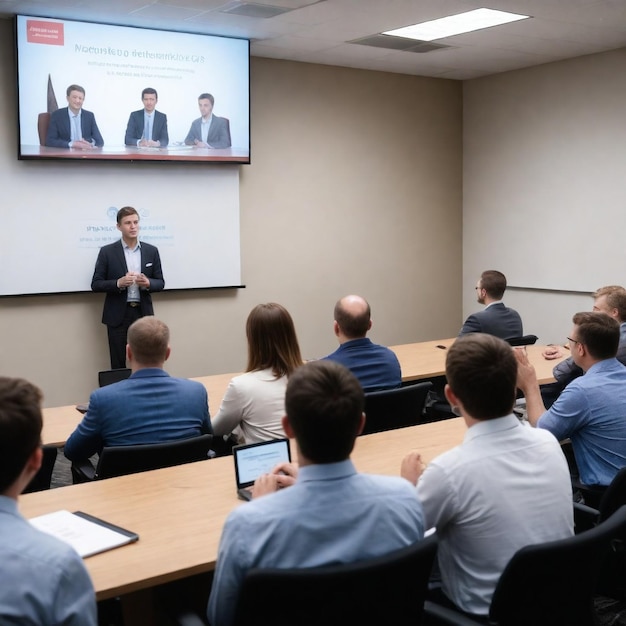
(390, 589)
(43, 121)
(121, 460)
(614, 496)
(108, 377)
(395, 408)
(42, 479)
(526, 340)
(553, 584)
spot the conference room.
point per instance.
(399, 182)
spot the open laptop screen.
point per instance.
(255, 459)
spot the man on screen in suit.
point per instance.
(496, 319)
(44, 581)
(149, 407)
(127, 271)
(72, 126)
(208, 131)
(147, 128)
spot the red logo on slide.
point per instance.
(38, 31)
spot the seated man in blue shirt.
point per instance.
(44, 581)
(331, 513)
(591, 410)
(375, 366)
(149, 407)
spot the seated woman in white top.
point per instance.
(254, 402)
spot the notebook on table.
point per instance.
(254, 459)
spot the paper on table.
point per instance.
(86, 534)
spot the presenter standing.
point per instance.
(127, 271)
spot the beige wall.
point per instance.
(543, 192)
(355, 186)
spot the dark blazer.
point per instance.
(111, 265)
(497, 320)
(219, 132)
(149, 407)
(59, 134)
(134, 128)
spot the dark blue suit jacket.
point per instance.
(59, 134)
(375, 366)
(497, 320)
(134, 128)
(148, 407)
(111, 265)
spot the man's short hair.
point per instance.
(20, 427)
(124, 212)
(598, 332)
(494, 283)
(207, 96)
(615, 298)
(149, 90)
(149, 338)
(482, 372)
(352, 326)
(71, 88)
(324, 403)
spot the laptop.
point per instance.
(254, 459)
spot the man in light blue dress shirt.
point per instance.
(42, 579)
(591, 410)
(323, 512)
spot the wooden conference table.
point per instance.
(179, 512)
(418, 361)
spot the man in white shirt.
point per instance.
(505, 487)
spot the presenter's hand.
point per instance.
(142, 281)
(264, 484)
(127, 280)
(526, 375)
(201, 144)
(412, 467)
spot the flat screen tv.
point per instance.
(142, 94)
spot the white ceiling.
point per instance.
(319, 32)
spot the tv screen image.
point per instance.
(98, 91)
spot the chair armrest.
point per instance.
(585, 517)
(442, 615)
(83, 472)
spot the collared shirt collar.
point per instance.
(488, 427)
(492, 303)
(326, 471)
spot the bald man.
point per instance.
(376, 367)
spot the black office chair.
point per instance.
(612, 581)
(108, 377)
(526, 340)
(395, 408)
(121, 460)
(385, 590)
(42, 479)
(548, 584)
